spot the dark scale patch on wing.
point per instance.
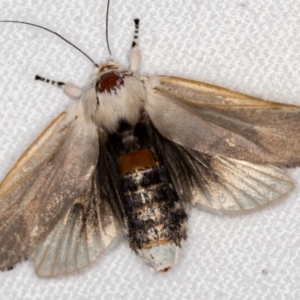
(110, 82)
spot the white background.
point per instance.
(248, 46)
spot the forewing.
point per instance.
(220, 122)
(220, 183)
(43, 147)
(80, 236)
(44, 184)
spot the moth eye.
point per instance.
(110, 81)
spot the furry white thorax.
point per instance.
(124, 103)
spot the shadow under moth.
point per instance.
(129, 155)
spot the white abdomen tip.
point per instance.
(160, 257)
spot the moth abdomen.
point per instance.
(154, 214)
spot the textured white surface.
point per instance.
(249, 46)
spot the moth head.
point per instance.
(110, 78)
(114, 94)
(109, 65)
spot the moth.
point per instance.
(129, 156)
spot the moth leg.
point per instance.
(68, 88)
(134, 54)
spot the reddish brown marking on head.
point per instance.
(110, 81)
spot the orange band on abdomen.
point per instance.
(135, 160)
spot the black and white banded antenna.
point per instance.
(65, 86)
(135, 42)
(68, 88)
(53, 82)
(134, 54)
(59, 83)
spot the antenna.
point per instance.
(107, 42)
(44, 28)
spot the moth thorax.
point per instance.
(119, 96)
